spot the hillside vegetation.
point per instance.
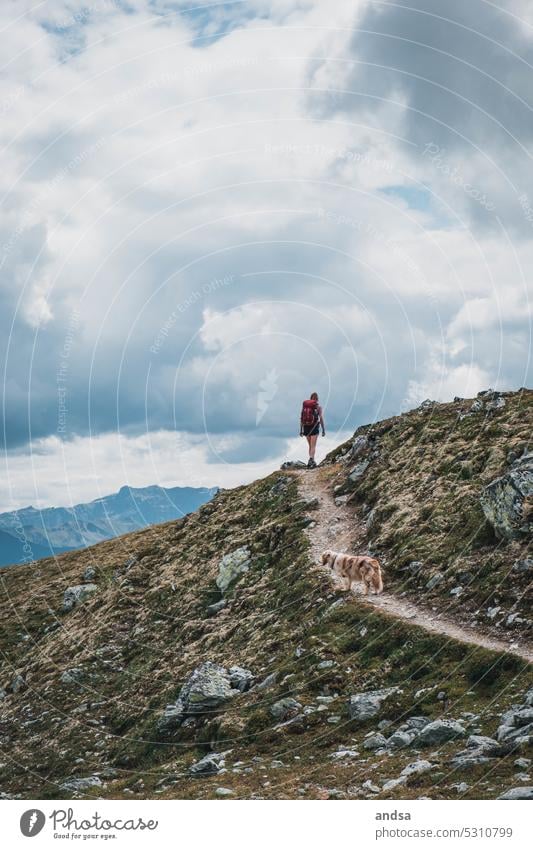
(210, 657)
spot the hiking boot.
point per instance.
(311, 464)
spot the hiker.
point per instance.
(311, 420)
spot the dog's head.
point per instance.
(328, 557)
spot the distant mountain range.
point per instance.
(30, 533)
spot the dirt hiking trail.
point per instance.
(339, 528)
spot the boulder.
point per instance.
(375, 741)
(77, 594)
(240, 678)
(416, 768)
(513, 720)
(72, 676)
(89, 574)
(482, 744)
(518, 793)
(358, 471)
(523, 566)
(232, 566)
(506, 500)
(215, 608)
(400, 739)
(363, 706)
(17, 683)
(77, 784)
(439, 731)
(293, 464)
(285, 709)
(207, 688)
(209, 765)
(172, 718)
(358, 447)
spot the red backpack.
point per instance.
(309, 413)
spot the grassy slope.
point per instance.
(425, 484)
(136, 640)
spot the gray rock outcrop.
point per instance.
(506, 501)
(208, 688)
(363, 706)
(232, 566)
(439, 731)
(77, 594)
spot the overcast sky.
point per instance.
(211, 210)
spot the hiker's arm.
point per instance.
(322, 425)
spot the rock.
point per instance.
(400, 739)
(504, 501)
(359, 445)
(285, 708)
(363, 706)
(89, 574)
(295, 725)
(522, 763)
(416, 722)
(77, 784)
(358, 471)
(393, 782)
(76, 595)
(293, 464)
(72, 676)
(416, 768)
(515, 721)
(375, 741)
(209, 765)
(17, 683)
(518, 793)
(482, 744)
(232, 566)
(435, 580)
(341, 500)
(468, 760)
(368, 785)
(207, 688)
(492, 612)
(523, 566)
(461, 788)
(267, 682)
(215, 608)
(240, 679)
(439, 731)
(342, 754)
(457, 591)
(326, 664)
(171, 718)
(528, 698)
(414, 567)
(223, 791)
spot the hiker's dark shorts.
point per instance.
(312, 430)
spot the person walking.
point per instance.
(311, 421)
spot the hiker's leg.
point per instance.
(309, 438)
(312, 446)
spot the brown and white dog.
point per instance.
(350, 568)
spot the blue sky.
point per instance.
(212, 210)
